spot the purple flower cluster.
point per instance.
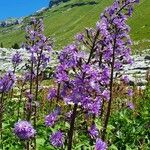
(16, 59)
(100, 145)
(93, 132)
(86, 80)
(57, 139)
(125, 79)
(27, 76)
(52, 93)
(40, 46)
(114, 31)
(6, 82)
(130, 92)
(130, 105)
(51, 118)
(81, 82)
(80, 37)
(24, 130)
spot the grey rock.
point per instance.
(147, 57)
(137, 72)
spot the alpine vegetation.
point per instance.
(86, 103)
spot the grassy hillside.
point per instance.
(64, 21)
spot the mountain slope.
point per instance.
(64, 21)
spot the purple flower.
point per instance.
(105, 76)
(94, 85)
(16, 58)
(92, 106)
(29, 95)
(118, 66)
(107, 55)
(24, 130)
(51, 118)
(61, 74)
(27, 76)
(69, 56)
(7, 82)
(130, 10)
(130, 105)
(80, 37)
(106, 94)
(100, 145)
(125, 79)
(103, 27)
(130, 92)
(57, 139)
(52, 93)
(93, 132)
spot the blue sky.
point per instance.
(19, 8)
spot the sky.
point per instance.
(20, 8)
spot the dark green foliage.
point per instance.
(131, 128)
(127, 129)
(56, 2)
(15, 46)
(1, 45)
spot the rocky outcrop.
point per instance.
(137, 72)
(10, 22)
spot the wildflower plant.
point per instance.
(38, 48)
(85, 78)
(7, 82)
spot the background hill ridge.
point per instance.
(65, 20)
